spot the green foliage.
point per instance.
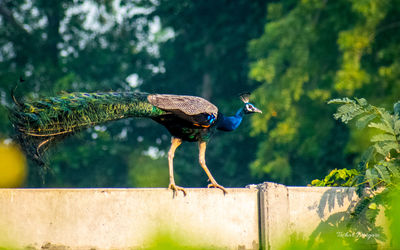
(147, 171)
(309, 52)
(166, 240)
(283, 62)
(393, 215)
(378, 173)
(380, 163)
(337, 177)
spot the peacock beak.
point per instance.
(256, 110)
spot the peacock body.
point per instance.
(41, 123)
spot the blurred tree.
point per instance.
(310, 52)
(68, 45)
(182, 47)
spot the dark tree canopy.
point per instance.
(180, 47)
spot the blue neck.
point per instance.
(230, 123)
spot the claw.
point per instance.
(216, 185)
(176, 188)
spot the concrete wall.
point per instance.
(123, 218)
(301, 210)
(245, 218)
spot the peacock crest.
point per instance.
(245, 97)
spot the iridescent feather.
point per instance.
(48, 120)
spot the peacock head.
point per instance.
(248, 107)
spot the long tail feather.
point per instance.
(43, 122)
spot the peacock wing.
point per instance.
(192, 108)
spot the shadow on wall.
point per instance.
(350, 228)
(336, 197)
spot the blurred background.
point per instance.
(293, 56)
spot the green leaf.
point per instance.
(396, 109)
(383, 173)
(397, 126)
(371, 214)
(394, 170)
(362, 204)
(372, 206)
(347, 112)
(369, 177)
(389, 146)
(388, 119)
(343, 174)
(317, 183)
(345, 100)
(383, 137)
(384, 148)
(362, 101)
(364, 120)
(367, 155)
(382, 126)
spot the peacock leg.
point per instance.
(202, 160)
(175, 142)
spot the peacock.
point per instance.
(43, 122)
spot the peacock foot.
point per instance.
(176, 188)
(216, 185)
